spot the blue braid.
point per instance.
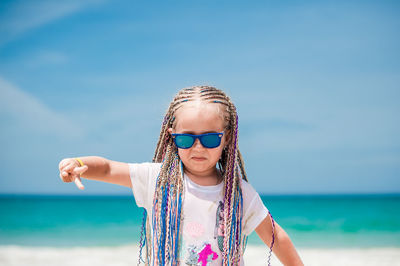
(163, 236)
(142, 240)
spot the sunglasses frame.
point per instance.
(194, 137)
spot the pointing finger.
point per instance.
(78, 182)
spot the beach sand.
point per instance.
(127, 256)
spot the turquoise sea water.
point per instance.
(311, 221)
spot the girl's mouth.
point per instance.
(198, 158)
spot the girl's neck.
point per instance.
(214, 177)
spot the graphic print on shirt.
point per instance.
(200, 256)
(219, 226)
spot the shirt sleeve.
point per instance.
(254, 209)
(143, 177)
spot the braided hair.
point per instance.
(168, 196)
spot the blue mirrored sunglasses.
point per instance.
(208, 140)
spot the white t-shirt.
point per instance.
(201, 213)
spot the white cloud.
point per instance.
(26, 113)
(22, 16)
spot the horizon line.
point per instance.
(330, 194)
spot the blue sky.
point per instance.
(316, 84)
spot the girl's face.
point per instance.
(199, 119)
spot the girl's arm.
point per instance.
(283, 247)
(95, 168)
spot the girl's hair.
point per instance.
(168, 197)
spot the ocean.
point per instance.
(312, 221)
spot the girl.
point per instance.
(200, 206)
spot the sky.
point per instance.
(316, 85)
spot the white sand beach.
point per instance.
(127, 256)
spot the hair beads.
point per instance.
(168, 196)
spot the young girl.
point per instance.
(200, 207)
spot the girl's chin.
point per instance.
(198, 166)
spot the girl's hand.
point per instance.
(70, 170)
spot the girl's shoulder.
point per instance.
(247, 188)
(249, 194)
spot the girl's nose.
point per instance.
(197, 144)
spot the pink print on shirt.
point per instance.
(204, 255)
(200, 255)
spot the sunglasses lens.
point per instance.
(184, 142)
(210, 141)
